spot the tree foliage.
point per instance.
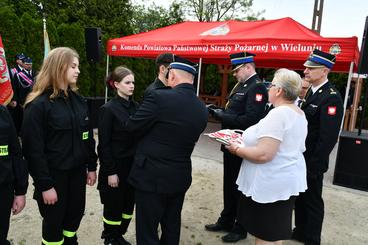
(217, 10)
(21, 30)
(158, 17)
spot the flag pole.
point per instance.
(46, 41)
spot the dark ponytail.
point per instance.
(117, 75)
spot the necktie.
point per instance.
(231, 93)
(300, 102)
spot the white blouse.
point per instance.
(285, 174)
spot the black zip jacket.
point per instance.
(114, 142)
(57, 135)
(13, 168)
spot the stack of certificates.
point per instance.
(225, 136)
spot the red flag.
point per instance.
(6, 91)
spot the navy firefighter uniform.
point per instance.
(13, 171)
(59, 147)
(116, 149)
(168, 124)
(245, 107)
(323, 109)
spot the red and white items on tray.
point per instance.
(225, 136)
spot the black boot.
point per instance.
(111, 241)
(70, 240)
(122, 241)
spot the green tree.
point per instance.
(72, 35)
(153, 17)
(33, 39)
(11, 31)
(217, 10)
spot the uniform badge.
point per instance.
(259, 97)
(331, 110)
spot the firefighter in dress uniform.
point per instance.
(14, 107)
(323, 108)
(167, 124)
(245, 107)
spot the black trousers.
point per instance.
(7, 196)
(153, 209)
(309, 210)
(231, 193)
(62, 220)
(117, 210)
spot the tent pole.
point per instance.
(107, 73)
(347, 90)
(199, 75)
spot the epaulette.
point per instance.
(332, 91)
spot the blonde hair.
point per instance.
(289, 81)
(53, 73)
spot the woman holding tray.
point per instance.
(273, 170)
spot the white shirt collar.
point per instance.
(250, 77)
(314, 89)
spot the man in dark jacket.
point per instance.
(323, 108)
(169, 123)
(162, 63)
(245, 107)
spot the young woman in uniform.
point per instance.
(59, 146)
(116, 149)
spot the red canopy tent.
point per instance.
(277, 43)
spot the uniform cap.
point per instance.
(27, 60)
(183, 64)
(239, 59)
(20, 56)
(319, 59)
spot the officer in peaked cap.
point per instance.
(323, 108)
(27, 64)
(169, 121)
(19, 64)
(245, 107)
(13, 106)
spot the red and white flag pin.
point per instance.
(331, 110)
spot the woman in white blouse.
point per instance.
(273, 171)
